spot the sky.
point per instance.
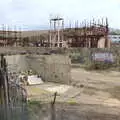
(33, 14)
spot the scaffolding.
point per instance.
(56, 32)
(88, 34)
(9, 37)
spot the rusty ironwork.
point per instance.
(9, 37)
(87, 34)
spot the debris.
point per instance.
(34, 79)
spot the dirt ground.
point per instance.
(85, 87)
(98, 93)
(71, 112)
(100, 87)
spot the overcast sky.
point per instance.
(36, 12)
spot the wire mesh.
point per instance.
(16, 108)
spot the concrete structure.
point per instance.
(51, 68)
(89, 35)
(102, 43)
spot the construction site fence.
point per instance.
(16, 108)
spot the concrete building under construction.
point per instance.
(89, 35)
(93, 34)
(9, 37)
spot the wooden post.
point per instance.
(5, 80)
(55, 94)
(53, 112)
(4, 83)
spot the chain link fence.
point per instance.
(17, 105)
(13, 97)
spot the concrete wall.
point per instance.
(17, 63)
(101, 42)
(30, 50)
(55, 68)
(58, 68)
